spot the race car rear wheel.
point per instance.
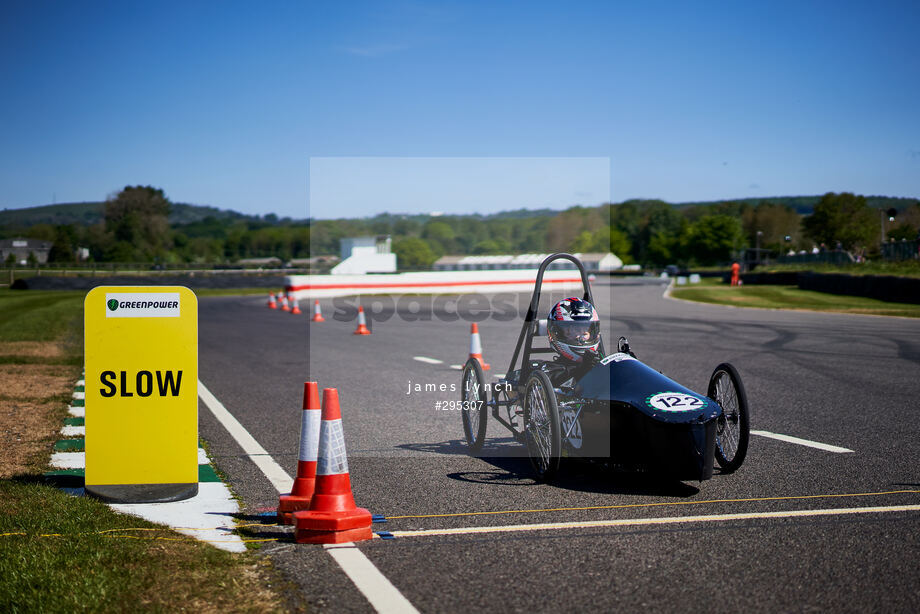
(542, 426)
(473, 408)
(733, 426)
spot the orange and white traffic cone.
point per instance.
(333, 517)
(271, 301)
(317, 312)
(476, 347)
(284, 302)
(362, 323)
(304, 483)
(295, 310)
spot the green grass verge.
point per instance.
(60, 553)
(904, 268)
(40, 315)
(790, 297)
(57, 315)
(234, 291)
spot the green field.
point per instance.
(61, 553)
(40, 315)
(904, 268)
(789, 297)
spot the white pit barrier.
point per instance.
(437, 282)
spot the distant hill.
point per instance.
(183, 214)
(86, 214)
(62, 213)
(424, 217)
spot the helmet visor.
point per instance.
(577, 333)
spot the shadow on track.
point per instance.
(512, 468)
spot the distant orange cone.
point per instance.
(476, 347)
(304, 483)
(333, 517)
(295, 310)
(317, 312)
(284, 302)
(271, 301)
(362, 323)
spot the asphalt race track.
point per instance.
(845, 381)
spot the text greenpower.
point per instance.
(148, 304)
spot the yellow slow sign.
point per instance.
(141, 393)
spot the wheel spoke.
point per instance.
(473, 406)
(727, 433)
(541, 425)
(538, 426)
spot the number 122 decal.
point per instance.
(675, 401)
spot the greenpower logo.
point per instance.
(142, 305)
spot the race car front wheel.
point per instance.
(733, 427)
(473, 399)
(541, 426)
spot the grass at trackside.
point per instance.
(76, 554)
(62, 553)
(48, 315)
(234, 291)
(789, 297)
(904, 268)
(39, 315)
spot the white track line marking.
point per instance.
(272, 470)
(430, 361)
(803, 442)
(626, 522)
(379, 591)
(457, 367)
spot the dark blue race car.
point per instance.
(609, 408)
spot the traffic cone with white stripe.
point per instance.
(476, 347)
(304, 483)
(284, 302)
(317, 312)
(333, 517)
(295, 310)
(362, 323)
(271, 301)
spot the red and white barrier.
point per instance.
(435, 282)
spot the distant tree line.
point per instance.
(136, 228)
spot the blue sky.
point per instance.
(228, 103)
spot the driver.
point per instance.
(573, 327)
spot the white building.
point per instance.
(20, 249)
(362, 255)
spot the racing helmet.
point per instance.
(573, 328)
